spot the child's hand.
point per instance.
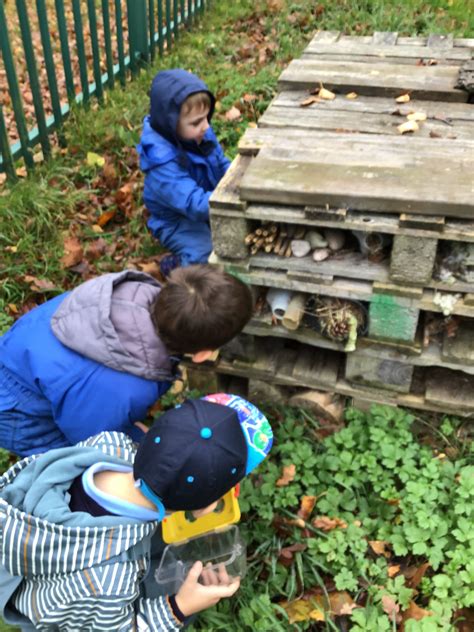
(193, 597)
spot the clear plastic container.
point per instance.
(217, 550)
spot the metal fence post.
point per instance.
(138, 33)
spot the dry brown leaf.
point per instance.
(409, 126)
(325, 94)
(351, 95)
(415, 612)
(393, 570)
(96, 229)
(13, 308)
(309, 101)
(234, 114)
(391, 607)
(96, 249)
(289, 473)
(106, 217)
(418, 575)
(403, 98)
(341, 603)
(417, 116)
(275, 5)
(325, 523)
(306, 507)
(379, 547)
(38, 285)
(73, 252)
(150, 267)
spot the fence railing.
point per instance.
(56, 53)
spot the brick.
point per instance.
(228, 234)
(412, 259)
(392, 318)
(376, 372)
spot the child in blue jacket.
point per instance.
(183, 163)
(98, 357)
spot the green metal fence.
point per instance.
(55, 53)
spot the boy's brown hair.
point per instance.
(198, 100)
(200, 308)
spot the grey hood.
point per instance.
(108, 320)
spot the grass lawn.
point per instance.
(385, 478)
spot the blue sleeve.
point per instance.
(172, 187)
(107, 400)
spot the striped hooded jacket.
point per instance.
(63, 570)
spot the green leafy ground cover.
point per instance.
(364, 501)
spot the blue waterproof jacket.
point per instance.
(85, 361)
(179, 176)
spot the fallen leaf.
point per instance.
(109, 174)
(325, 94)
(393, 570)
(39, 285)
(379, 547)
(302, 610)
(124, 198)
(289, 473)
(106, 217)
(73, 252)
(96, 249)
(409, 126)
(309, 101)
(233, 114)
(306, 507)
(252, 124)
(97, 229)
(275, 5)
(325, 523)
(11, 248)
(286, 555)
(249, 98)
(352, 95)
(418, 575)
(415, 612)
(391, 607)
(150, 267)
(94, 160)
(341, 603)
(403, 98)
(416, 116)
(13, 308)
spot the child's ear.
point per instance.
(202, 356)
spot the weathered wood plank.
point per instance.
(226, 195)
(408, 148)
(437, 110)
(354, 50)
(453, 229)
(381, 396)
(384, 38)
(460, 348)
(440, 42)
(367, 59)
(351, 266)
(423, 82)
(450, 387)
(327, 37)
(428, 222)
(314, 118)
(392, 182)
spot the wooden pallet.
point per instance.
(343, 164)
(434, 389)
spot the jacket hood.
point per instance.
(169, 89)
(40, 534)
(108, 320)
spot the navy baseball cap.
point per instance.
(195, 453)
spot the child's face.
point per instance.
(193, 124)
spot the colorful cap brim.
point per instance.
(255, 426)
